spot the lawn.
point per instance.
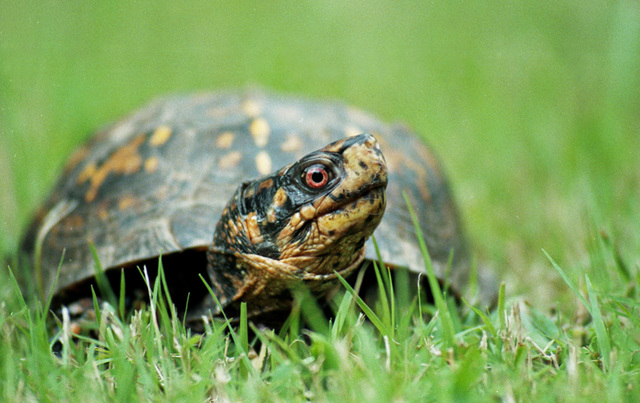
(533, 107)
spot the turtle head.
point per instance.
(303, 223)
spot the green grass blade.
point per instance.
(385, 287)
(485, 319)
(383, 296)
(234, 335)
(402, 292)
(292, 323)
(345, 308)
(104, 286)
(502, 311)
(96, 305)
(166, 308)
(567, 280)
(311, 311)
(604, 344)
(342, 314)
(122, 298)
(445, 316)
(243, 331)
(163, 282)
(242, 348)
(17, 290)
(382, 328)
(275, 344)
(47, 305)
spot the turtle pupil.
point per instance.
(316, 177)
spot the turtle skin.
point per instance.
(159, 182)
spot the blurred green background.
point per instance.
(534, 107)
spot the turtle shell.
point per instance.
(157, 181)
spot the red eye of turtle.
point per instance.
(316, 176)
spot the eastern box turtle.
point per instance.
(171, 178)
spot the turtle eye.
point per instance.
(316, 176)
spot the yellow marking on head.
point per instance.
(253, 230)
(260, 131)
(160, 136)
(151, 164)
(307, 212)
(265, 184)
(334, 147)
(280, 198)
(249, 192)
(230, 160)
(292, 143)
(225, 140)
(125, 161)
(295, 221)
(271, 215)
(125, 202)
(263, 163)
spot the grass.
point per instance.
(388, 352)
(534, 108)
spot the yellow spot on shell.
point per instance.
(86, 173)
(125, 202)
(160, 136)
(225, 140)
(125, 161)
(263, 163)
(251, 108)
(151, 164)
(260, 131)
(230, 160)
(292, 143)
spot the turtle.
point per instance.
(252, 192)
